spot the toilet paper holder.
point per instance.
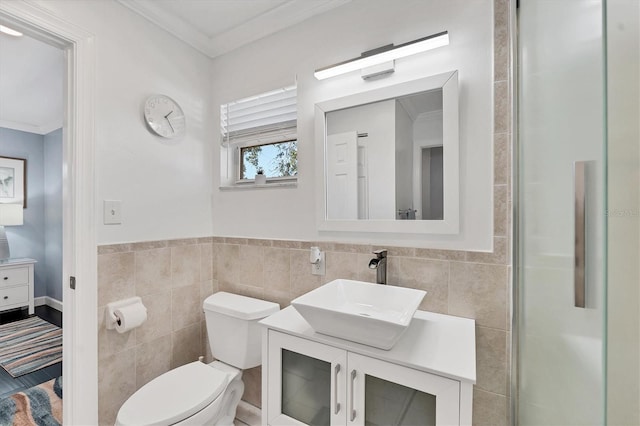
(110, 317)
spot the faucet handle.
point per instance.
(381, 253)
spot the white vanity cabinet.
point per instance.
(425, 379)
(16, 284)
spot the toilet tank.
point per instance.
(233, 330)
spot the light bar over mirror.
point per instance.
(384, 54)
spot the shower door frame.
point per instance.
(515, 212)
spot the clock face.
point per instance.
(164, 116)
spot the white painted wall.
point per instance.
(378, 120)
(404, 160)
(164, 185)
(280, 59)
(427, 129)
(53, 213)
(427, 132)
(28, 240)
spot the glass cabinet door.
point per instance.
(387, 403)
(306, 382)
(383, 394)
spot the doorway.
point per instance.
(31, 117)
(80, 405)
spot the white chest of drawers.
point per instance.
(16, 284)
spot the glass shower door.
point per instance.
(561, 256)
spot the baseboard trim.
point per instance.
(49, 301)
(249, 414)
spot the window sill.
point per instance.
(250, 186)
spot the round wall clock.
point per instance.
(164, 116)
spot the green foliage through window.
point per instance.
(275, 160)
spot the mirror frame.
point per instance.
(448, 82)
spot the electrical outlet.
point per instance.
(318, 268)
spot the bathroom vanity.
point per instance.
(425, 379)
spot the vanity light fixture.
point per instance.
(383, 55)
(10, 31)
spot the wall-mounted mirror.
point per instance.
(389, 158)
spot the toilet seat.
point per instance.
(173, 396)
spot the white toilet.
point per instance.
(205, 394)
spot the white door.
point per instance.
(363, 181)
(380, 394)
(342, 176)
(306, 382)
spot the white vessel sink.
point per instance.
(371, 314)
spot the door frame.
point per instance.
(80, 348)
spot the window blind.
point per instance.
(268, 117)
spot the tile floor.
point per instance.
(10, 385)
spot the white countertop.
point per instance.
(440, 344)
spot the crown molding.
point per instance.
(170, 23)
(30, 128)
(272, 21)
(50, 127)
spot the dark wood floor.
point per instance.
(10, 385)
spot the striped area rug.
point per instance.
(37, 406)
(29, 345)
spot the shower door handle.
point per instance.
(579, 276)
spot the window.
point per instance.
(260, 133)
(278, 159)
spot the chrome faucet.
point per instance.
(379, 263)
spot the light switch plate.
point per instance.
(112, 212)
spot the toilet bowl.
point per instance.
(205, 394)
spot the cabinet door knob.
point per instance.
(6, 297)
(6, 278)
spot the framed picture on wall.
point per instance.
(13, 180)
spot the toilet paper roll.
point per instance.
(130, 316)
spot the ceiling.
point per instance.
(31, 81)
(422, 103)
(215, 27)
(32, 72)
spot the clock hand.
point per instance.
(170, 125)
(169, 121)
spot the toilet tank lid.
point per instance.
(246, 308)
